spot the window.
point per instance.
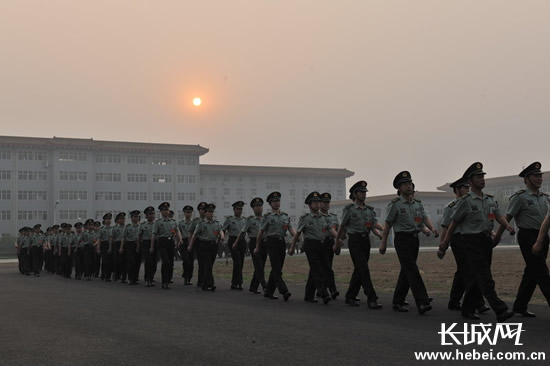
(137, 159)
(546, 188)
(73, 176)
(340, 194)
(292, 193)
(162, 196)
(162, 178)
(138, 178)
(253, 192)
(226, 204)
(240, 193)
(192, 161)
(5, 174)
(73, 214)
(72, 156)
(107, 158)
(5, 155)
(213, 192)
(186, 179)
(439, 211)
(108, 196)
(161, 160)
(292, 205)
(137, 196)
(107, 177)
(32, 215)
(32, 195)
(272, 185)
(32, 175)
(5, 195)
(226, 191)
(73, 195)
(5, 215)
(31, 155)
(187, 196)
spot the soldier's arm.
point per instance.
(385, 234)
(538, 246)
(259, 239)
(501, 228)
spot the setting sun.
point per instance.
(197, 102)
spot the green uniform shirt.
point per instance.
(275, 225)
(233, 225)
(88, 238)
(185, 227)
(131, 232)
(75, 239)
(208, 230)
(165, 228)
(146, 230)
(252, 226)
(55, 240)
(474, 214)
(313, 226)
(116, 233)
(105, 233)
(359, 220)
(37, 240)
(447, 213)
(24, 241)
(406, 216)
(528, 208)
(194, 224)
(65, 240)
(333, 221)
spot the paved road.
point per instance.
(55, 321)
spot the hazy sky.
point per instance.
(372, 86)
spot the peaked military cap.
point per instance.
(238, 204)
(37, 226)
(22, 230)
(148, 210)
(89, 222)
(474, 169)
(459, 183)
(56, 226)
(134, 213)
(531, 169)
(63, 225)
(97, 224)
(256, 202)
(210, 207)
(68, 226)
(274, 196)
(402, 177)
(107, 216)
(360, 186)
(164, 206)
(202, 206)
(326, 197)
(78, 225)
(187, 208)
(120, 215)
(313, 196)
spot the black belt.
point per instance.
(529, 230)
(358, 235)
(484, 234)
(408, 233)
(313, 241)
(274, 238)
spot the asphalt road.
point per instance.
(56, 321)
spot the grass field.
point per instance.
(437, 274)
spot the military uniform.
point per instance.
(275, 225)
(165, 231)
(77, 253)
(106, 258)
(119, 260)
(407, 218)
(48, 252)
(24, 251)
(529, 209)
(251, 228)
(201, 207)
(328, 244)
(232, 227)
(475, 217)
(131, 249)
(149, 259)
(87, 242)
(207, 234)
(64, 242)
(37, 250)
(187, 258)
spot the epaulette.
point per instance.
(517, 193)
(417, 200)
(369, 207)
(395, 199)
(251, 216)
(332, 214)
(348, 206)
(489, 195)
(452, 203)
(304, 215)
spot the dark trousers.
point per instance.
(66, 267)
(535, 272)
(276, 248)
(106, 260)
(78, 260)
(89, 253)
(237, 257)
(477, 274)
(37, 253)
(317, 259)
(207, 252)
(328, 245)
(48, 260)
(166, 250)
(57, 261)
(149, 260)
(132, 260)
(259, 264)
(459, 287)
(407, 246)
(119, 263)
(359, 250)
(25, 260)
(187, 259)
(96, 263)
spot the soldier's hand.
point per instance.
(511, 230)
(234, 246)
(440, 253)
(291, 251)
(121, 250)
(382, 249)
(189, 249)
(436, 233)
(537, 248)
(256, 251)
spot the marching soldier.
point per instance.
(208, 233)
(251, 227)
(188, 258)
(475, 215)
(529, 207)
(119, 262)
(64, 242)
(105, 256)
(145, 235)
(37, 250)
(88, 241)
(56, 250)
(201, 207)
(328, 244)
(407, 216)
(22, 249)
(129, 247)
(76, 253)
(314, 225)
(168, 235)
(232, 227)
(48, 251)
(274, 227)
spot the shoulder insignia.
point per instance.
(395, 199)
(348, 206)
(370, 207)
(333, 214)
(417, 200)
(517, 193)
(489, 195)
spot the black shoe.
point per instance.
(286, 296)
(334, 294)
(424, 308)
(404, 303)
(182, 276)
(470, 316)
(526, 314)
(454, 307)
(313, 301)
(171, 281)
(213, 288)
(123, 281)
(352, 302)
(240, 287)
(399, 308)
(483, 309)
(326, 300)
(374, 305)
(255, 292)
(505, 315)
(233, 287)
(107, 280)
